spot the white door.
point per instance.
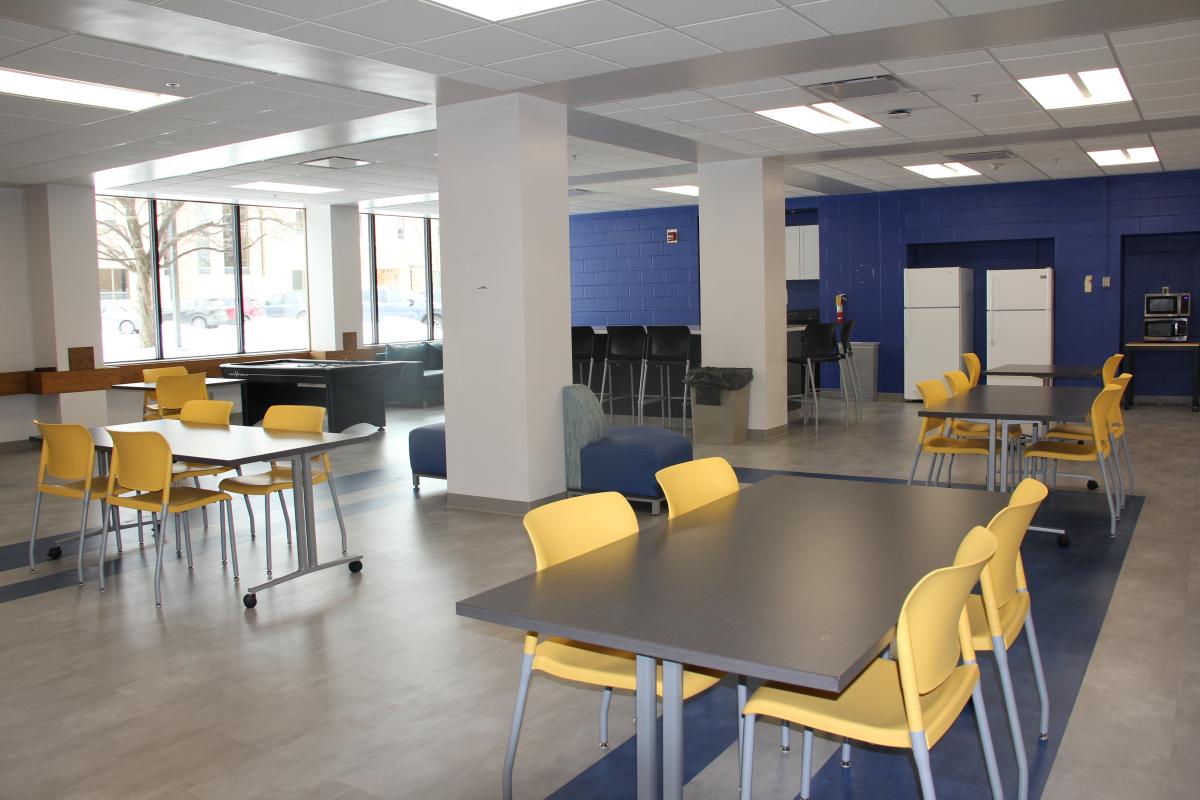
(1019, 337)
(810, 252)
(931, 346)
(1020, 288)
(791, 252)
(936, 287)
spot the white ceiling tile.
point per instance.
(1022, 105)
(1095, 115)
(1162, 73)
(31, 126)
(156, 79)
(682, 112)
(659, 100)
(760, 29)
(584, 23)
(1186, 105)
(308, 9)
(762, 101)
(962, 8)
(1058, 64)
(1051, 47)
(656, 47)
(485, 45)
(1157, 33)
(300, 86)
(268, 123)
(733, 122)
(423, 62)
(1183, 47)
(638, 117)
(557, 65)
(28, 33)
(403, 21)
(215, 69)
(200, 111)
(229, 13)
(836, 74)
(330, 111)
(988, 93)
(1032, 121)
(1155, 91)
(850, 16)
(493, 79)
(256, 98)
(971, 77)
(10, 47)
(332, 39)
(49, 60)
(950, 61)
(684, 12)
(64, 112)
(115, 50)
(749, 87)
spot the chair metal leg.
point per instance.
(920, 750)
(160, 542)
(742, 692)
(37, 510)
(806, 763)
(187, 539)
(785, 736)
(1112, 508)
(178, 541)
(985, 736)
(203, 509)
(224, 535)
(103, 543)
(603, 382)
(605, 702)
(514, 734)
(816, 399)
(1014, 721)
(941, 463)
(845, 394)
(232, 539)
(249, 508)
(913, 472)
(337, 509)
(845, 754)
(287, 519)
(116, 512)
(1112, 448)
(141, 532)
(1128, 461)
(950, 471)
(267, 530)
(87, 502)
(747, 755)
(1035, 656)
(932, 464)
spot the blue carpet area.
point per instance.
(1071, 589)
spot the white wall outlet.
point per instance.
(1106, 282)
(1087, 284)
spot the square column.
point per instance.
(502, 167)
(743, 291)
(334, 275)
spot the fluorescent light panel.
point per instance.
(690, 191)
(497, 10)
(1128, 155)
(293, 188)
(1072, 90)
(84, 93)
(820, 118)
(950, 169)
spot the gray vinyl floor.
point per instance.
(345, 687)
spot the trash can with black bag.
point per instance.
(720, 403)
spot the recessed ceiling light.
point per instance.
(690, 191)
(294, 188)
(820, 118)
(1128, 155)
(84, 93)
(335, 162)
(1090, 88)
(951, 169)
(402, 200)
(497, 10)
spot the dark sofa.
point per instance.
(420, 381)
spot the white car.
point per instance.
(118, 317)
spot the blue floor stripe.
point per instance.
(1070, 588)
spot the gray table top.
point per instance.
(1055, 371)
(1161, 345)
(230, 445)
(1029, 403)
(792, 579)
(142, 386)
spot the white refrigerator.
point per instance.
(1020, 321)
(938, 303)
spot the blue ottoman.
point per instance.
(627, 458)
(427, 452)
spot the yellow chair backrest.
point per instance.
(141, 462)
(1102, 410)
(68, 452)
(932, 393)
(154, 373)
(208, 412)
(933, 631)
(692, 484)
(301, 419)
(1009, 527)
(568, 528)
(974, 367)
(173, 391)
(1109, 370)
(958, 380)
(1117, 417)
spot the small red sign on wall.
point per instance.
(672, 236)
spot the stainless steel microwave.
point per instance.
(1165, 329)
(1169, 305)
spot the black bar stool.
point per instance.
(820, 347)
(583, 338)
(626, 346)
(666, 346)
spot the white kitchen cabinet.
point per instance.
(791, 251)
(802, 252)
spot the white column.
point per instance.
(60, 229)
(743, 295)
(334, 275)
(502, 166)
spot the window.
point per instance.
(401, 278)
(217, 267)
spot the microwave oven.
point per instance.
(1168, 305)
(1165, 329)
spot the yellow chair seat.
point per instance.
(183, 498)
(194, 469)
(276, 479)
(74, 489)
(872, 708)
(1012, 620)
(1066, 451)
(1073, 432)
(945, 444)
(980, 429)
(600, 666)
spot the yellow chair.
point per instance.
(974, 367)
(931, 440)
(692, 484)
(206, 412)
(1116, 429)
(140, 479)
(278, 479)
(1003, 610)
(1108, 371)
(907, 703)
(149, 401)
(172, 391)
(69, 456)
(1098, 449)
(560, 531)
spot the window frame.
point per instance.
(373, 274)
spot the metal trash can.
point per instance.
(866, 366)
(720, 404)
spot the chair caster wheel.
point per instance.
(1043, 737)
(355, 566)
(604, 745)
(845, 765)
(1092, 485)
(1064, 540)
(250, 600)
(54, 553)
(785, 749)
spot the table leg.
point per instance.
(672, 730)
(647, 729)
(1003, 445)
(991, 476)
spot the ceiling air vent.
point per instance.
(859, 87)
(990, 155)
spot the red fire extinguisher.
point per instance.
(839, 301)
